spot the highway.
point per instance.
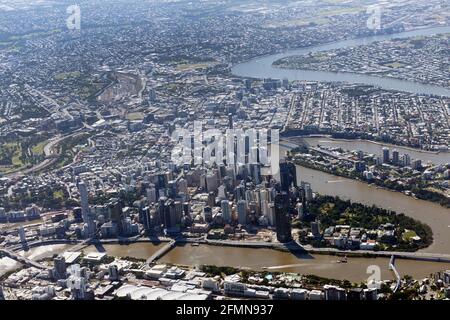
(21, 259)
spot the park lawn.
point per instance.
(58, 195)
(408, 234)
(39, 148)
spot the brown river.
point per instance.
(354, 270)
(437, 217)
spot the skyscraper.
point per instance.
(282, 219)
(242, 212)
(85, 212)
(59, 268)
(226, 210)
(116, 214)
(395, 157)
(386, 155)
(288, 175)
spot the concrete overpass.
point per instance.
(23, 260)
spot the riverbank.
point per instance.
(424, 195)
(357, 139)
(261, 67)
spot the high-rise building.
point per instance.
(386, 155)
(300, 211)
(113, 273)
(88, 219)
(116, 214)
(417, 164)
(76, 282)
(2, 295)
(360, 166)
(406, 160)
(282, 218)
(308, 191)
(242, 212)
(226, 210)
(59, 268)
(395, 157)
(288, 175)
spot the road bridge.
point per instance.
(22, 259)
(158, 254)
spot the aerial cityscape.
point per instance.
(224, 150)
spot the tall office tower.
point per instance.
(288, 175)
(76, 283)
(147, 219)
(222, 193)
(263, 197)
(59, 268)
(161, 181)
(249, 195)
(211, 199)
(177, 213)
(300, 211)
(242, 171)
(116, 214)
(230, 120)
(231, 172)
(212, 182)
(360, 166)
(271, 213)
(172, 189)
(151, 194)
(242, 212)
(113, 272)
(308, 192)
(406, 160)
(255, 172)
(182, 186)
(386, 155)
(207, 214)
(417, 164)
(226, 210)
(395, 157)
(228, 183)
(282, 219)
(169, 214)
(239, 192)
(88, 219)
